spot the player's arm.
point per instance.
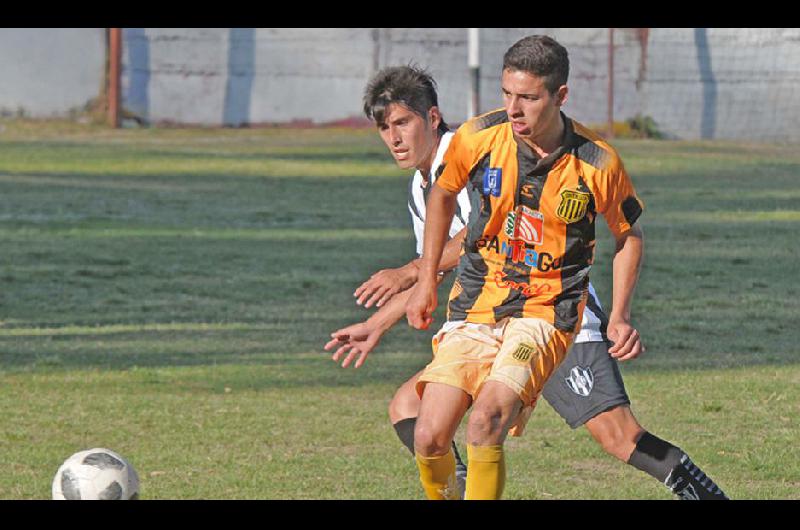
(440, 210)
(626, 266)
(358, 340)
(386, 283)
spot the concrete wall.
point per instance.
(48, 71)
(695, 83)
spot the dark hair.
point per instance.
(541, 56)
(408, 85)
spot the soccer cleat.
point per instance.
(689, 483)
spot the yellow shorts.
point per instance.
(521, 353)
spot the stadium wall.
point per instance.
(50, 71)
(695, 83)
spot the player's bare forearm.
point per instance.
(626, 266)
(451, 252)
(357, 341)
(393, 310)
(440, 210)
(390, 312)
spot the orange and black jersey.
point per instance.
(531, 235)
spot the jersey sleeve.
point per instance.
(616, 199)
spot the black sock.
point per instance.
(405, 431)
(672, 467)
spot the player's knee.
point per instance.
(485, 426)
(429, 441)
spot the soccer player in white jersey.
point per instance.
(586, 389)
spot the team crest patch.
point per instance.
(573, 206)
(580, 380)
(523, 353)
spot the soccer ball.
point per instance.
(96, 474)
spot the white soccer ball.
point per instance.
(96, 474)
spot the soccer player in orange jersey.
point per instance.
(537, 180)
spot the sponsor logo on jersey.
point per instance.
(511, 223)
(573, 206)
(518, 253)
(529, 226)
(492, 181)
(580, 380)
(528, 290)
(525, 225)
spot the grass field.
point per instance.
(166, 294)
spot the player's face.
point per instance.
(531, 108)
(410, 138)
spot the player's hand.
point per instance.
(421, 305)
(384, 284)
(357, 341)
(627, 342)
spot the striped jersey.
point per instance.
(530, 231)
(418, 189)
(593, 326)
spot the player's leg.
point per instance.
(493, 412)
(531, 350)
(587, 389)
(616, 430)
(441, 410)
(620, 435)
(404, 409)
(403, 412)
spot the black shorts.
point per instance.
(585, 384)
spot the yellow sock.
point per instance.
(438, 476)
(486, 472)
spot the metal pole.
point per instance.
(610, 82)
(114, 67)
(474, 63)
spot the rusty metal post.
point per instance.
(610, 82)
(114, 70)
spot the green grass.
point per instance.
(166, 294)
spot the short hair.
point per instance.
(408, 85)
(541, 56)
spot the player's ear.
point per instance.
(434, 117)
(561, 95)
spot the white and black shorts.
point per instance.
(585, 384)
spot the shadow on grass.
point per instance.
(255, 359)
